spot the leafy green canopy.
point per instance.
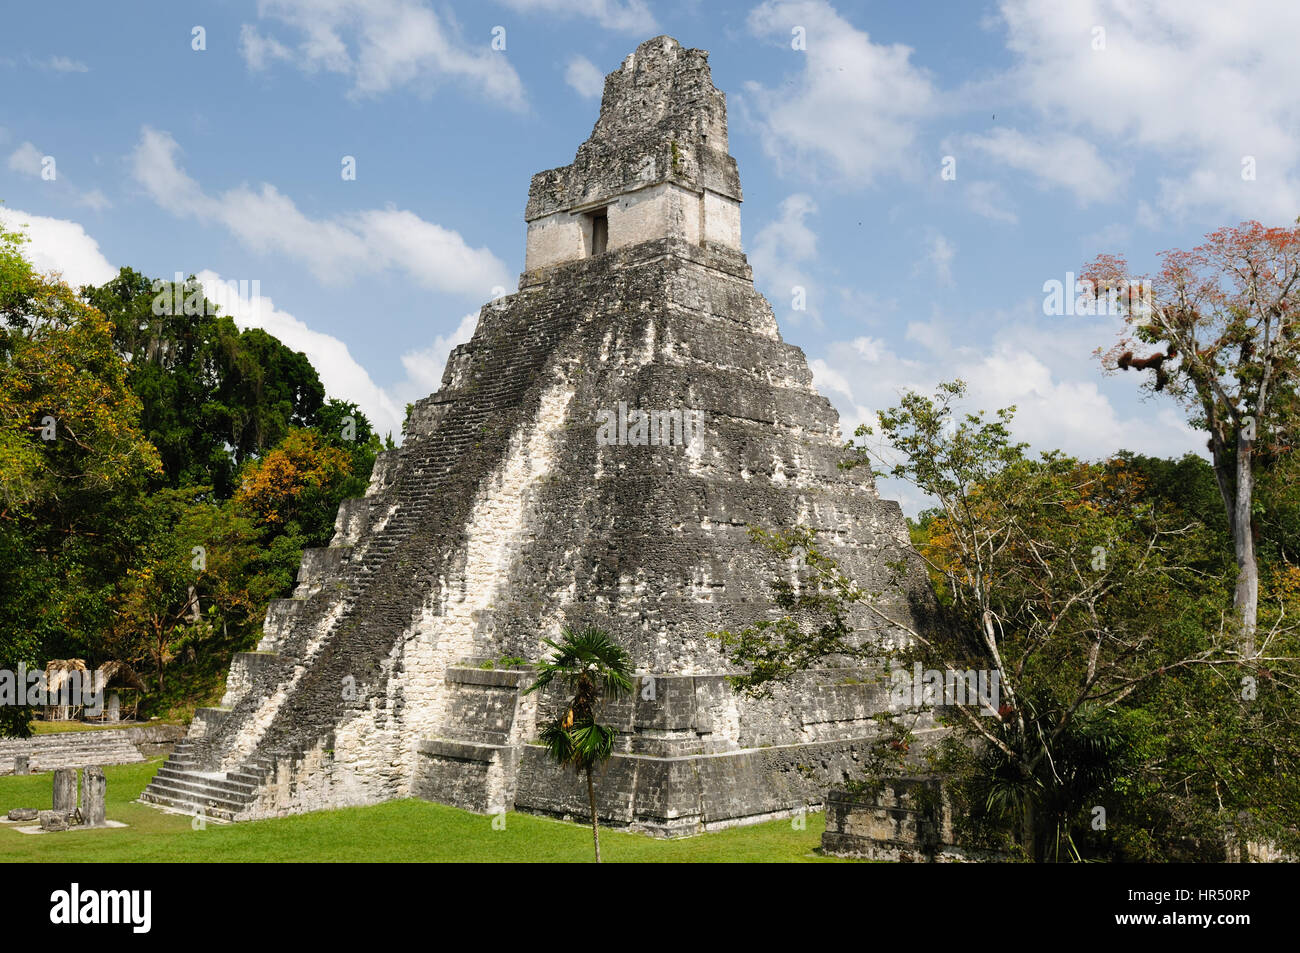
(213, 396)
(161, 474)
(73, 463)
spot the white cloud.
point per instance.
(779, 246)
(828, 380)
(261, 51)
(381, 45)
(62, 64)
(29, 160)
(60, 246)
(853, 108)
(424, 367)
(585, 77)
(1113, 237)
(339, 371)
(1200, 83)
(1051, 160)
(1042, 367)
(63, 247)
(939, 254)
(1147, 216)
(871, 309)
(94, 199)
(931, 335)
(630, 16)
(26, 160)
(989, 200)
(870, 349)
(335, 250)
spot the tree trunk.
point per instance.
(1028, 835)
(591, 799)
(1245, 598)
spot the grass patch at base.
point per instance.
(406, 831)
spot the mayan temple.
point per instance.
(597, 451)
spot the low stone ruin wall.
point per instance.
(74, 749)
(907, 820)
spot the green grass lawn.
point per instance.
(397, 831)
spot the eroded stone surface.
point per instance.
(65, 789)
(655, 166)
(57, 820)
(94, 788)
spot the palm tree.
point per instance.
(590, 664)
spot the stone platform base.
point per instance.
(674, 797)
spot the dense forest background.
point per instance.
(161, 474)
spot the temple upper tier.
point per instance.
(655, 166)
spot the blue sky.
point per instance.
(1067, 142)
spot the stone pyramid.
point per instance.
(596, 452)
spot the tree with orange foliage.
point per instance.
(1223, 321)
(296, 482)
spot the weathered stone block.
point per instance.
(55, 820)
(93, 790)
(65, 789)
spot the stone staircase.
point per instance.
(181, 785)
(354, 598)
(392, 545)
(72, 749)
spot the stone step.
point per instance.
(239, 789)
(185, 806)
(258, 673)
(205, 787)
(196, 794)
(280, 616)
(208, 719)
(408, 496)
(69, 750)
(68, 741)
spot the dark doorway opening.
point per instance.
(599, 231)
